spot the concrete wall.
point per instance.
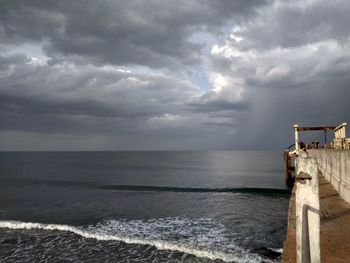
(307, 209)
(335, 166)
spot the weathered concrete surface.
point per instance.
(335, 166)
(307, 208)
(335, 227)
(289, 246)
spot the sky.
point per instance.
(170, 75)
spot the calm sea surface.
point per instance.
(142, 206)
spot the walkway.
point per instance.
(335, 227)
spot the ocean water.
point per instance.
(222, 206)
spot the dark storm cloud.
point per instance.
(211, 101)
(116, 74)
(38, 100)
(7, 61)
(294, 59)
(51, 99)
(151, 33)
(295, 23)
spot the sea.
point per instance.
(214, 206)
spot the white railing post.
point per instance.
(296, 136)
(344, 130)
(340, 131)
(307, 206)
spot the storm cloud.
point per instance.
(150, 33)
(170, 75)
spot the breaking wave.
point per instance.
(201, 238)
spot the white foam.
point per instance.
(241, 256)
(278, 250)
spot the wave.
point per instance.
(146, 188)
(239, 255)
(257, 191)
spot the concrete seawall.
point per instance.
(335, 167)
(319, 212)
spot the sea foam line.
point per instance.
(243, 257)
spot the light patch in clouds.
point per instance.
(32, 51)
(167, 120)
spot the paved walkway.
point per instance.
(335, 227)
